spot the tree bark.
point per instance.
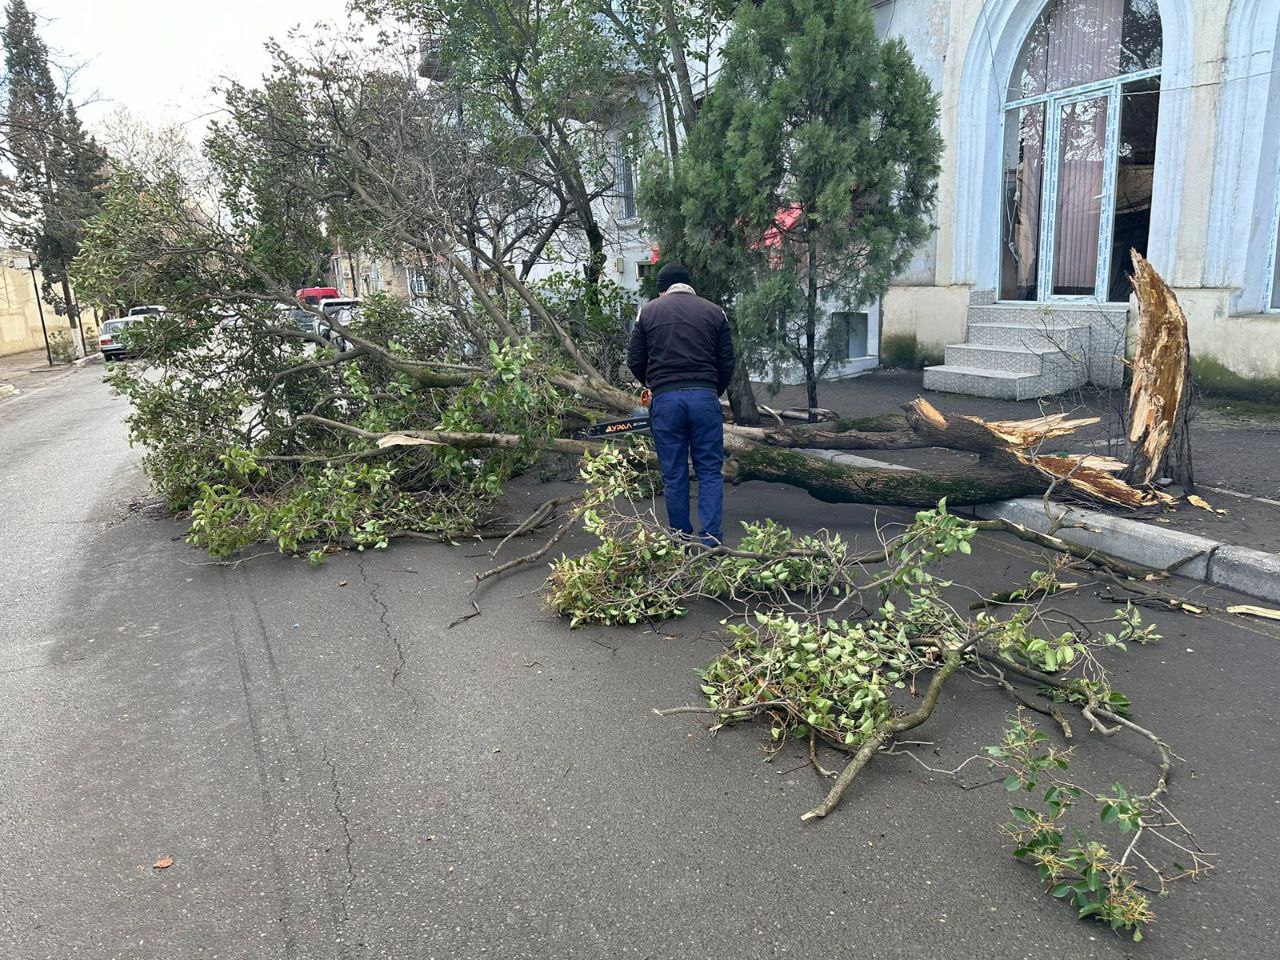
(742, 399)
(841, 483)
(680, 66)
(810, 337)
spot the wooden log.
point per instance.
(842, 483)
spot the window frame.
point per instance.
(627, 212)
(1112, 89)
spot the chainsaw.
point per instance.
(637, 424)
(611, 427)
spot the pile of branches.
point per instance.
(849, 652)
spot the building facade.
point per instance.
(356, 274)
(1075, 131)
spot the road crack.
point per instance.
(348, 840)
(383, 612)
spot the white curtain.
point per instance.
(1081, 165)
(1084, 46)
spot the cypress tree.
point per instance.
(58, 170)
(810, 176)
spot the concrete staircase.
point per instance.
(1017, 352)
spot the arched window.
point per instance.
(1080, 142)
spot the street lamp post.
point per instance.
(26, 263)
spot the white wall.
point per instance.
(1217, 174)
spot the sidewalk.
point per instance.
(23, 372)
(1237, 459)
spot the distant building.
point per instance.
(359, 274)
(19, 315)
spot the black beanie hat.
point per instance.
(672, 273)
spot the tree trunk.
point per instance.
(680, 65)
(811, 337)
(742, 398)
(73, 311)
(1003, 468)
(1159, 399)
(842, 483)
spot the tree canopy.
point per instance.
(57, 171)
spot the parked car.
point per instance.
(304, 320)
(345, 311)
(313, 295)
(113, 339)
(148, 311)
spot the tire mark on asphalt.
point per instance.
(285, 781)
(264, 779)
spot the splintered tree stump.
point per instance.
(1159, 399)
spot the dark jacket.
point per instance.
(681, 341)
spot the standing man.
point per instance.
(681, 349)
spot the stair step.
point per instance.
(999, 384)
(1011, 359)
(1070, 340)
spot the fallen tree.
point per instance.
(494, 371)
(263, 426)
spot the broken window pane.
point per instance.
(1135, 176)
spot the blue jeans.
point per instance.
(688, 422)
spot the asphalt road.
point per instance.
(338, 775)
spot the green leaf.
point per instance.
(1012, 784)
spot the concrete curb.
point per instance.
(1197, 558)
(91, 358)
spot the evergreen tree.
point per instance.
(58, 171)
(810, 175)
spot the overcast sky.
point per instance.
(159, 58)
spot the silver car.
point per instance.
(113, 338)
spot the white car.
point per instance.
(345, 311)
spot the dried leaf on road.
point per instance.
(1203, 504)
(164, 863)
